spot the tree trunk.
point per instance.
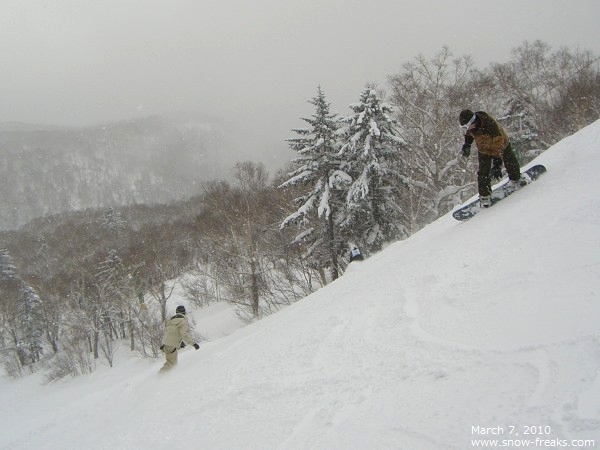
(131, 332)
(335, 272)
(163, 301)
(95, 344)
(254, 288)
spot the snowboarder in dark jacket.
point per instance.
(493, 146)
(177, 334)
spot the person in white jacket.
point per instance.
(177, 334)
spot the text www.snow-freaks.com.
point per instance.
(538, 442)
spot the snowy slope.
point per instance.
(494, 322)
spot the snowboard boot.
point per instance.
(513, 185)
(485, 201)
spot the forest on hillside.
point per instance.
(160, 159)
(73, 284)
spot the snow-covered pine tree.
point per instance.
(30, 317)
(7, 267)
(20, 327)
(318, 169)
(113, 221)
(112, 275)
(370, 155)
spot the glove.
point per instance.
(196, 346)
(497, 169)
(466, 150)
(182, 345)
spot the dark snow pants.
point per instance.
(484, 179)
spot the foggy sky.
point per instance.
(256, 62)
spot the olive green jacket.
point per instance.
(490, 137)
(177, 330)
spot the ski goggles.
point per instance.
(467, 126)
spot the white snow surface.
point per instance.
(494, 322)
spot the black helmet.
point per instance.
(180, 309)
(464, 116)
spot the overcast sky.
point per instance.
(80, 62)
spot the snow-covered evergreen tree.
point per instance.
(370, 155)
(111, 275)
(30, 318)
(7, 267)
(318, 169)
(20, 327)
(112, 221)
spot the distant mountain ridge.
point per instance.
(50, 169)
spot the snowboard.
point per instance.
(470, 209)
